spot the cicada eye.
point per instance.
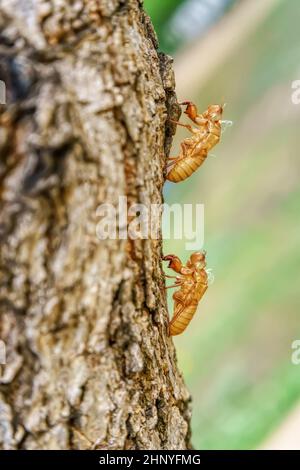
(215, 111)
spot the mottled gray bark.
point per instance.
(89, 362)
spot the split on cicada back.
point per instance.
(210, 276)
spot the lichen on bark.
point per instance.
(89, 362)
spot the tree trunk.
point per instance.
(89, 363)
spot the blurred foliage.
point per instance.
(176, 26)
(236, 356)
(160, 11)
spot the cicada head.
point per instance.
(198, 259)
(214, 112)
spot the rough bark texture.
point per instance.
(89, 363)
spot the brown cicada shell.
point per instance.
(194, 149)
(192, 282)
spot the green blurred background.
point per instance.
(236, 355)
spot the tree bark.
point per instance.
(89, 363)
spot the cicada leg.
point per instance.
(178, 282)
(185, 145)
(193, 130)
